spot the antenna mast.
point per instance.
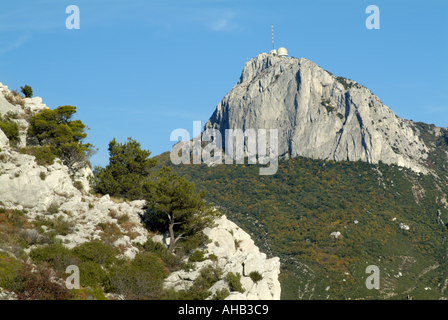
(272, 27)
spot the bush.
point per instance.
(95, 251)
(8, 270)
(101, 225)
(234, 282)
(11, 130)
(199, 290)
(255, 276)
(27, 91)
(88, 294)
(91, 274)
(221, 294)
(140, 279)
(78, 185)
(213, 257)
(171, 261)
(150, 264)
(44, 155)
(56, 255)
(32, 236)
(53, 208)
(39, 284)
(197, 256)
(61, 226)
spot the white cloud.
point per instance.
(14, 45)
(225, 22)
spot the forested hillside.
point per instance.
(293, 213)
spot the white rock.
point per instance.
(404, 226)
(242, 261)
(335, 234)
(236, 296)
(4, 141)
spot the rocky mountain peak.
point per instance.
(318, 115)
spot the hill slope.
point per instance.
(293, 213)
(375, 198)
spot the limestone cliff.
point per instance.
(237, 253)
(318, 115)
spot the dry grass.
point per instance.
(14, 98)
(120, 218)
(128, 226)
(15, 232)
(111, 232)
(117, 199)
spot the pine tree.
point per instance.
(128, 173)
(177, 208)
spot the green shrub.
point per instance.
(91, 274)
(11, 130)
(171, 261)
(213, 257)
(221, 294)
(53, 208)
(59, 225)
(142, 278)
(234, 282)
(27, 91)
(42, 175)
(88, 294)
(44, 155)
(199, 290)
(148, 263)
(255, 276)
(122, 218)
(56, 255)
(8, 270)
(36, 284)
(95, 251)
(102, 225)
(78, 185)
(197, 256)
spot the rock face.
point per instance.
(236, 253)
(317, 114)
(48, 193)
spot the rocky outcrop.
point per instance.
(49, 193)
(317, 114)
(237, 253)
(29, 107)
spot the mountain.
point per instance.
(319, 115)
(356, 187)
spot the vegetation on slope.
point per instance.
(292, 214)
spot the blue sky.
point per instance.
(141, 69)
